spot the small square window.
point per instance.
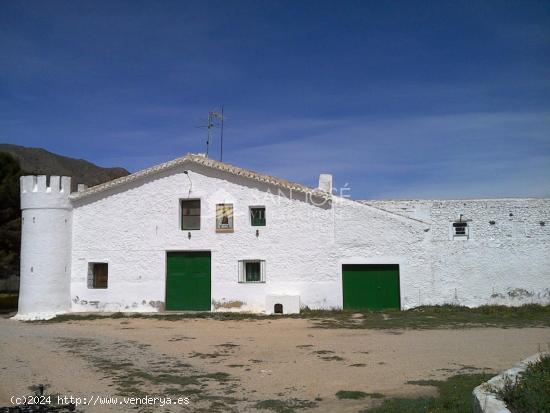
(257, 216)
(252, 271)
(460, 230)
(190, 214)
(98, 274)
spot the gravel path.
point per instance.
(234, 365)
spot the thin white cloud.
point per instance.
(495, 154)
(430, 153)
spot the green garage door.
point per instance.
(372, 287)
(188, 280)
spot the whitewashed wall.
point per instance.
(304, 245)
(372, 236)
(45, 246)
(507, 262)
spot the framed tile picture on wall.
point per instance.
(224, 218)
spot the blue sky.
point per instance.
(398, 99)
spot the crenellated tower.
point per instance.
(45, 246)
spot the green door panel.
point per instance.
(188, 280)
(370, 287)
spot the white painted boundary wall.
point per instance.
(505, 259)
(484, 396)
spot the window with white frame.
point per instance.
(460, 230)
(252, 271)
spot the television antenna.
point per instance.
(215, 120)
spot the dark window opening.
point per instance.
(99, 274)
(257, 216)
(253, 271)
(278, 309)
(190, 214)
(460, 228)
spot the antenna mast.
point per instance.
(209, 126)
(221, 140)
(215, 120)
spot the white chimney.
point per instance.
(325, 183)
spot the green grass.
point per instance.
(440, 317)
(355, 395)
(455, 396)
(430, 317)
(166, 317)
(447, 316)
(285, 406)
(531, 391)
(350, 394)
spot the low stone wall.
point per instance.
(484, 397)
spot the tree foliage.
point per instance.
(10, 216)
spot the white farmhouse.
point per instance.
(198, 234)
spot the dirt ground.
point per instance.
(245, 365)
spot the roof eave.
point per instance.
(203, 161)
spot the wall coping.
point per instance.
(485, 399)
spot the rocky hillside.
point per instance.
(37, 161)
(18, 160)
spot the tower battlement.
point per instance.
(46, 225)
(37, 194)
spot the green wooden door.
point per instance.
(371, 287)
(188, 280)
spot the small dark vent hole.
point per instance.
(278, 309)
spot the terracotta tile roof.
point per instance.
(203, 161)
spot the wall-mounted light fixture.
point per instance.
(492, 222)
(542, 223)
(189, 235)
(257, 233)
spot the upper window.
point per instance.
(252, 271)
(190, 214)
(224, 218)
(98, 275)
(257, 216)
(460, 230)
